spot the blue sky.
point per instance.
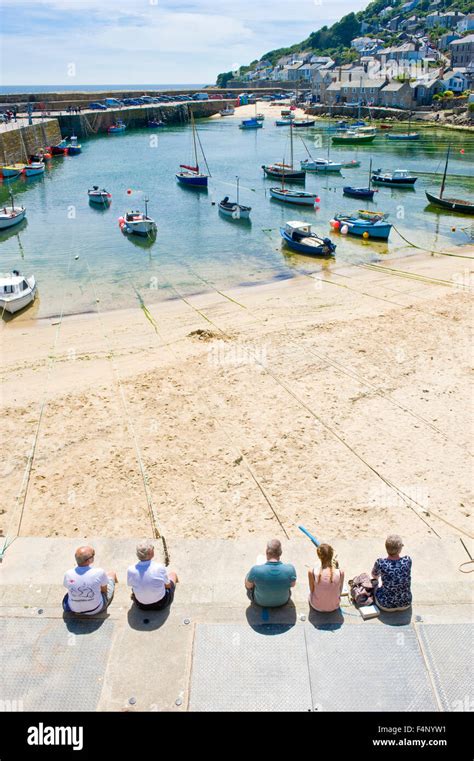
(149, 41)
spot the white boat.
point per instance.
(16, 291)
(227, 111)
(34, 169)
(234, 209)
(101, 197)
(11, 215)
(138, 222)
(320, 165)
(294, 196)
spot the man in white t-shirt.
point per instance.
(152, 585)
(89, 590)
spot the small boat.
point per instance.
(294, 196)
(227, 111)
(399, 178)
(377, 229)
(299, 237)
(369, 214)
(461, 205)
(34, 169)
(156, 123)
(116, 128)
(304, 122)
(12, 170)
(250, 124)
(353, 136)
(285, 171)
(100, 197)
(402, 135)
(385, 126)
(353, 192)
(16, 291)
(283, 122)
(286, 112)
(191, 176)
(60, 149)
(320, 165)
(351, 164)
(233, 208)
(138, 223)
(260, 117)
(11, 215)
(73, 147)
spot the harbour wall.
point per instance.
(18, 144)
(376, 112)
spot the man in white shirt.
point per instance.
(89, 590)
(152, 585)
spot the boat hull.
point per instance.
(326, 248)
(405, 182)
(375, 230)
(192, 181)
(301, 199)
(308, 123)
(100, 199)
(34, 171)
(12, 171)
(74, 150)
(358, 192)
(452, 204)
(315, 166)
(401, 136)
(6, 222)
(57, 150)
(235, 211)
(353, 139)
(278, 174)
(18, 302)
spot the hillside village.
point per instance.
(404, 55)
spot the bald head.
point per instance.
(274, 549)
(84, 555)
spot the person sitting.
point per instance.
(326, 582)
(395, 573)
(152, 585)
(269, 584)
(89, 590)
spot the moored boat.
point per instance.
(299, 237)
(351, 164)
(283, 122)
(60, 149)
(73, 147)
(12, 170)
(191, 176)
(302, 198)
(461, 205)
(284, 171)
(11, 215)
(250, 124)
(227, 111)
(402, 135)
(320, 165)
(234, 209)
(304, 122)
(400, 178)
(353, 136)
(34, 169)
(16, 291)
(377, 229)
(98, 196)
(117, 128)
(138, 222)
(357, 192)
(156, 123)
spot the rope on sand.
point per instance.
(431, 251)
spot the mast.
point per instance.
(291, 144)
(445, 171)
(370, 173)
(360, 95)
(237, 190)
(194, 142)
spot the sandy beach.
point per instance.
(339, 401)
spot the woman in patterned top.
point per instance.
(395, 572)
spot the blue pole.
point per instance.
(310, 536)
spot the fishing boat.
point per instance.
(16, 291)
(99, 197)
(234, 209)
(35, 169)
(73, 147)
(250, 124)
(191, 176)
(282, 170)
(227, 111)
(304, 122)
(355, 192)
(12, 170)
(156, 123)
(299, 237)
(351, 164)
(138, 222)
(60, 149)
(377, 229)
(399, 178)
(353, 136)
(117, 128)
(11, 215)
(294, 196)
(461, 205)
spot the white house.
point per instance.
(456, 80)
(466, 24)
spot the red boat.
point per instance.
(385, 126)
(58, 150)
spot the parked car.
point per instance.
(98, 106)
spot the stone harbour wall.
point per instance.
(16, 145)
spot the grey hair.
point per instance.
(144, 549)
(393, 544)
(274, 548)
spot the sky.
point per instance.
(63, 42)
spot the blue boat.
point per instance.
(373, 229)
(403, 135)
(191, 176)
(250, 124)
(358, 192)
(73, 147)
(299, 237)
(117, 128)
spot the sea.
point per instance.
(18, 89)
(78, 252)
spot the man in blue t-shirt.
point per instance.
(269, 584)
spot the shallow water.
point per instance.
(196, 248)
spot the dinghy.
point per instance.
(138, 222)
(461, 205)
(100, 197)
(11, 215)
(294, 196)
(299, 237)
(234, 209)
(12, 170)
(34, 169)
(16, 291)
(377, 229)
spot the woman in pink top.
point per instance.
(325, 583)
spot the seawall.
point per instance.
(18, 144)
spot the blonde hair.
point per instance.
(325, 554)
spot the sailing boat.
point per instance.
(353, 192)
(234, 209)
(454, 204)
(403, 135)
(191, 176)
(11, 215)
(319, 165)
(280, 169)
